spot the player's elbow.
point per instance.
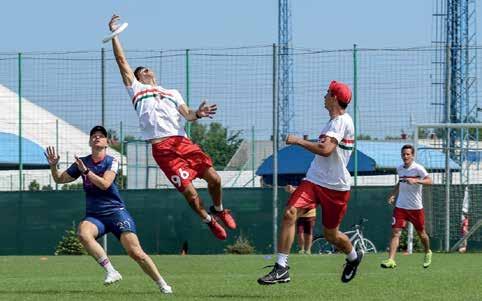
(105, 186)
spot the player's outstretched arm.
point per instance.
(53, 160)
(103, 182)
(124, 68)
(204, 110)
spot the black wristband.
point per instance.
(198, 117)
(86, 172)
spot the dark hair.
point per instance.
(408, 146)
(342, 104)
(138, 69)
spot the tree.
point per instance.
(34, 186)
(47, 187)
(114, 141)
(73, 186)
(215, 141)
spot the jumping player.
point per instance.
(160, 112)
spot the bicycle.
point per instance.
(322, 246)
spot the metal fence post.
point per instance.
(188, 124)
(275, 149)
(20, 155)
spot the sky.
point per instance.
(57, 25)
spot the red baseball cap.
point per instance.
(341, 91)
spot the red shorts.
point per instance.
(333, 203)
(305, 225)
(181, 160)
(415, 216)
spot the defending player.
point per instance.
(105, 210)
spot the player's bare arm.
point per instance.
(204, 110)
(392, 196)
(53, 160)
(124, 68)
(324, 147)
(103, 182)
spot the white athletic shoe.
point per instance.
(166, 289)
(112, 277)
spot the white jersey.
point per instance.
(158, 110)
(331, 172)
(410, 195)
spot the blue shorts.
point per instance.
(117, 223)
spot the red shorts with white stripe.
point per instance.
(333, 202)
(415, 216)
(181, 160)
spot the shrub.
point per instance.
(241, 246)
(70, 244)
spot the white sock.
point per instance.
(219, 208)
(282, 259)
(207, 220)
(352, 256)
(105, 263)
(161, 282)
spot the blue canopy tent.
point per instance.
(32, 153)
(294, 161)
(374, 158)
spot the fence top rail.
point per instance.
(449, 125)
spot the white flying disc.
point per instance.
(115, 32)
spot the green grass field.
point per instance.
(230, 277)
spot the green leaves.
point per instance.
(216, 142)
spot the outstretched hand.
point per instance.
(206, 110)
(292, 139)
(51, 156)
(80, 164)
(113, 22)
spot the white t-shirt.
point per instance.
(158, 110)
(410, 195)
(331, 171)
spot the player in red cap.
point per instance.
(161, 114)
(327, 183)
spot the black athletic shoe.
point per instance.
(349, 271)
(278, 274)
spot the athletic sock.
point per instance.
(207, 220)
(282, 259)
(161, 282)
(105, 263)
(352, 256)
(219, 208)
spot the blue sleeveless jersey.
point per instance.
(98, 201)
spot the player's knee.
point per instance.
(137, 254)
(330, 236)
(192, 198)
(290, 215)
(396, 233)
(423, 234)
(84, 237)
(214, 180)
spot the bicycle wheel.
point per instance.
(321, 246)
(366, 247)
